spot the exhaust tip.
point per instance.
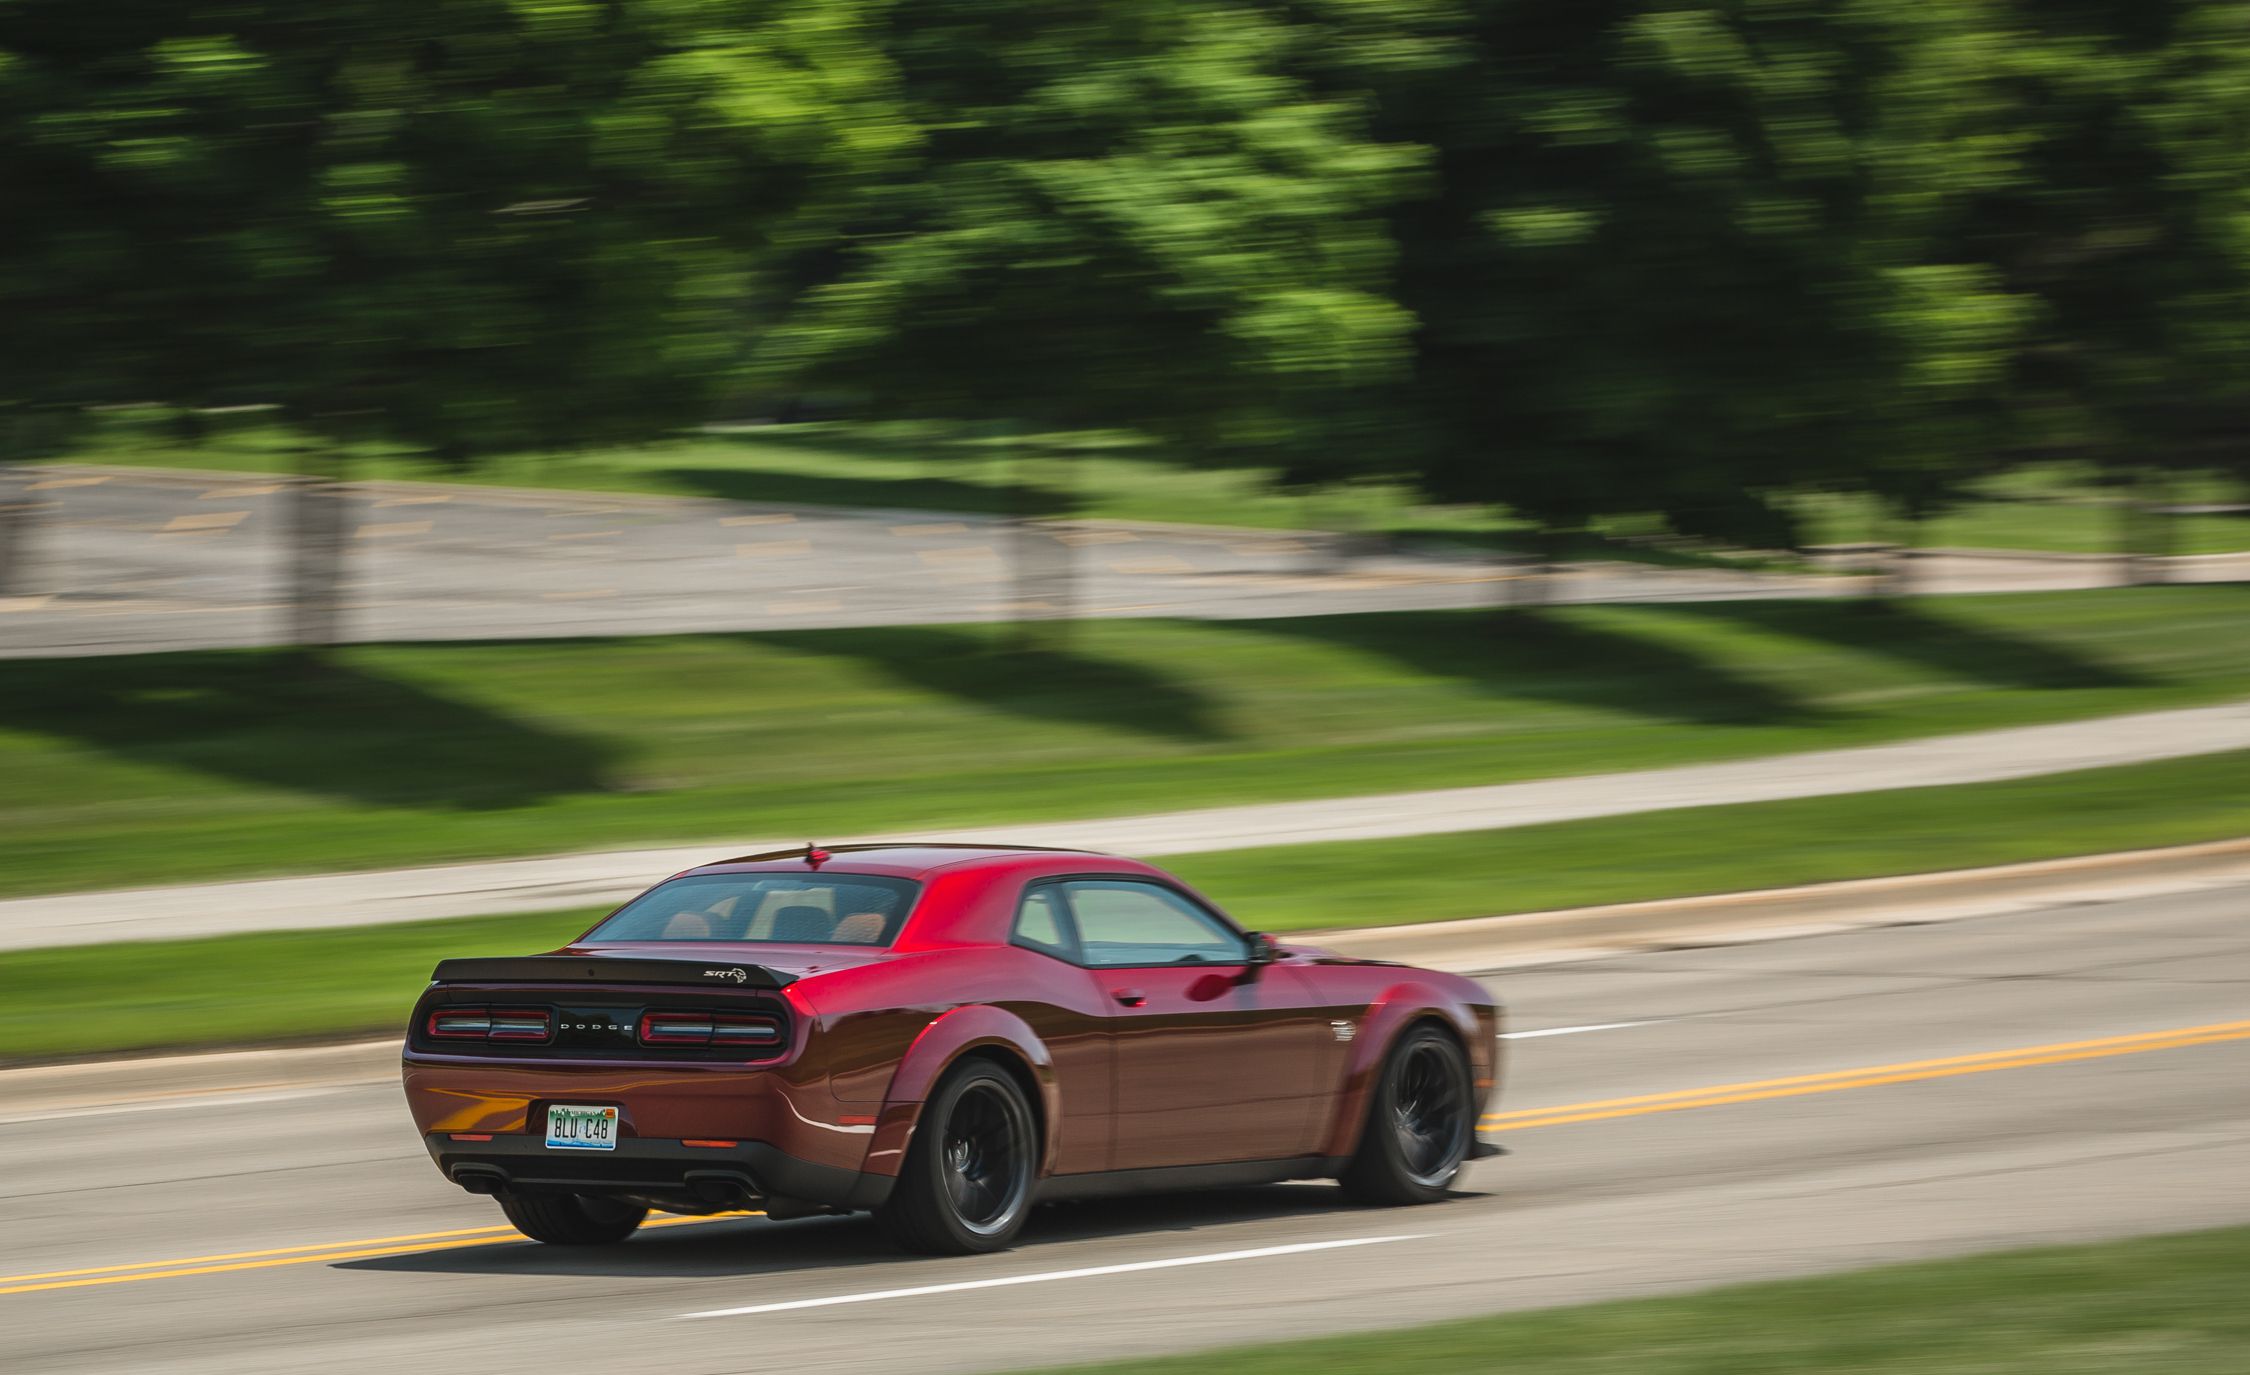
(481, 1179)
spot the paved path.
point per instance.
(133, 560)
(587, 880)
(327, 1241)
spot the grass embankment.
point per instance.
(2158, 1306)
(129, 771)
(2058, 508)
(300, 985)
(2048, 507)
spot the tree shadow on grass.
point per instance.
(344, 730)
(864, 489)
(878, 493)
(1930, 638)
(1061, 685)
(1558, 656)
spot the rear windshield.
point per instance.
(775, 909)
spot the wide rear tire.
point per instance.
(1420, 1123)
(966, 1186)
(572, 1219)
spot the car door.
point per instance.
(1215, 1060)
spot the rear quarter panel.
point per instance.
(887, 1033)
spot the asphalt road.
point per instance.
(122, 561)
(2103, 1095)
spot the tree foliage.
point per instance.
(482, 225)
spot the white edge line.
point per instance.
(1572, 1030)
(1087, 1273)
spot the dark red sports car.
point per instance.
(943, 1035)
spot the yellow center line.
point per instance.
(253, 1255)
(363, 1249)
(1710, 1096)
(1869, 1076)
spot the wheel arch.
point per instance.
(975, 1031)
(1399, 1010)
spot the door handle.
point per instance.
(1130, 997)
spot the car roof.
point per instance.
(910, 859)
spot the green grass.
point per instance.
(299, 985)
(2056, 508)
(1729, 849)
(129, 771)
(2155, 1306)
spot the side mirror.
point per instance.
(1264, 950)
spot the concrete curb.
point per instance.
(1483, 943)
(1476, 945)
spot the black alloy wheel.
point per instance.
(967, 1182)
(1420, 1123)
(1430, 1112)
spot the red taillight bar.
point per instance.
(490, 1024)
(520, 1024)
(461, 1023)
(699, 1028)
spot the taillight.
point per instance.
(461, 1023)
(708, 1029)
(491, 1024)
(519, 1024)
(676, 1029)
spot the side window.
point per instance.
(1039, 925)
(1123, 923)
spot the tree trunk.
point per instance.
(1531, 584)
(1895, 581)
(19, 515)
(318, 503)
(2144, 530)
(1040, 559)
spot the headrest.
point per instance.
(860, 928)
(688, 926)
(801, 922)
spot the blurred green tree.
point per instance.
(487, 225)
(1680, 258)
(1118, 216)
(2117, 204)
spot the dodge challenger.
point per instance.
(943, 1036)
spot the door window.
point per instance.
(1122, 923)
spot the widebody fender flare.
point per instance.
(1388, 1016)
(941, 1045)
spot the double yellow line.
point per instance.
(412, 1243)
(1872, 1076)
(1711, 1096)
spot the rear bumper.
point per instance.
(670, 1175)
(796, 1141)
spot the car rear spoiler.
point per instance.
(608, 969)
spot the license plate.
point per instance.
(581, 1129)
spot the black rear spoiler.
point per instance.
(608, 969)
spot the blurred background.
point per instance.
(459, 463)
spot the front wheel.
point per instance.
(966, 1186)
(1419, 1126)
(572, 1219)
